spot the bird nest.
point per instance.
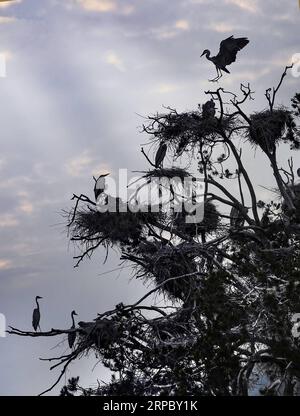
(124, 228)
(164, 262)
(209, 224)
(100, 334)
(174, 265)
(181, 130)
(268, 127)
(168, 173)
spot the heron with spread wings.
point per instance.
(227, 54)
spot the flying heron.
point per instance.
(227, 54)
(160, 155)
(36, 316)
(72, 335)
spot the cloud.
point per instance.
(8, 220)
(7, 19)
(113, 59)
(85, 165)
(5, 264)
(102, 6)
(165, 88)
(26, 207)
(222, 27)
(106, 6)
(246, 5)
(79, 165)
(182, 25)
(245, 75)
(169, 32)
(10, 3)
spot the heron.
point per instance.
(160, 155)
(236, 217)
(72, 335)
(209, 109)
(36, 316)
(227, 54)
(99, 187)
(181, 146)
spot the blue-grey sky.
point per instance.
(79, 74)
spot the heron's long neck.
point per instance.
(73, 321)
(207, 54)
(37, 303)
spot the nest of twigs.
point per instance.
(166, 262)
(268, 128)
(174, 265)
(125, 228)
(169, 173)
(209, 224)
(179, 131)
(102, 333)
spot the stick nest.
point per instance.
(125, 228)
(269, 127)
(209, 224)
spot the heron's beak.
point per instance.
(202, 54)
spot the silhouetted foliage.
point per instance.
(230, 283)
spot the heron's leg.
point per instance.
(39, 328)
(217, 77)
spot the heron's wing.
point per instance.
(228, 50)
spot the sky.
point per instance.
(80, 76)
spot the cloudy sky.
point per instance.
(79, 75)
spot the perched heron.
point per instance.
(209, 109)
(72, 335)
(227, 54)
(160, 155)
(236, 217)
(181, 146)
(99, 187)
(36, 316)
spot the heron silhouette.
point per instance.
(72, 335)
(100, 185)
(209, 109)
(160, 155)
(236, 217)
(227, 54)
(36, 316)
